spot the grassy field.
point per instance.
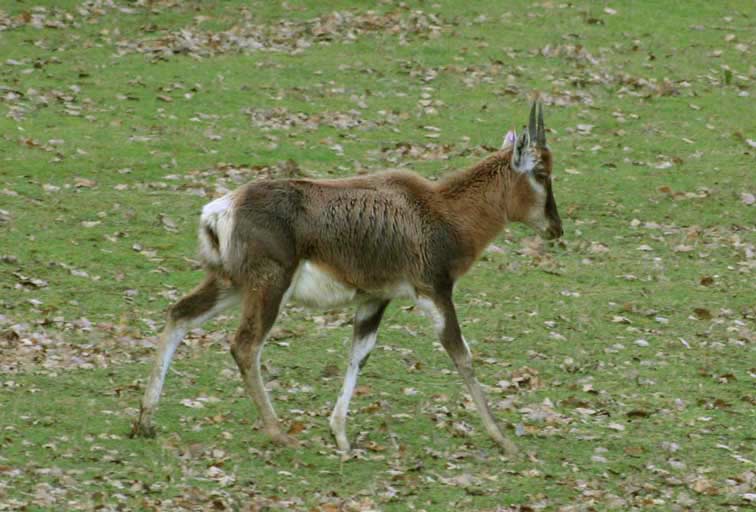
(621, 359)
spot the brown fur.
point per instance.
(371, 231)
(374, 234)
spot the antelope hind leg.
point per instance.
(261, 304)
(210, 298)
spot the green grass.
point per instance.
(107, 155)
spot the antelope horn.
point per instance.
(541, 129)
(532, 132)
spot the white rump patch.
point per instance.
(217, 216)
(315, 287)
(217, 206)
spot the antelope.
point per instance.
(364, 240)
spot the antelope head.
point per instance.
(532, 198)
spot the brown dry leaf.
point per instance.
(706, 281)
(330, 370)
(362, 390)
(375, 447)
(286, 35)
(461, 480)
(192, 404)
(23, 347)
(295, 428)
(30, 281)
(705, 486)
(724, 379)
(409, 151)
(84, 183)
(522, 378)
(702, 313)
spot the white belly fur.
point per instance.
(316, 288)
(313, 287)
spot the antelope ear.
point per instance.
(521, 159)
(509, 139)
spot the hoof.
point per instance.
(342, 444)
(509, 448)
(139, 429)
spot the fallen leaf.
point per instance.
(84, 183)
(295, 428)
(706, 281)
(362, 390)
(702, 313)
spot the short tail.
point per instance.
(216, 225)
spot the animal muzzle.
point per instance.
(553, 231)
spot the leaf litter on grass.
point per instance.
(285, 35)
(620, 356)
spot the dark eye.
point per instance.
(541, 177)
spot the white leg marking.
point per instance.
(467, 347)
(361, 348)
(430, 309)
(257, 388)
(170, 339)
